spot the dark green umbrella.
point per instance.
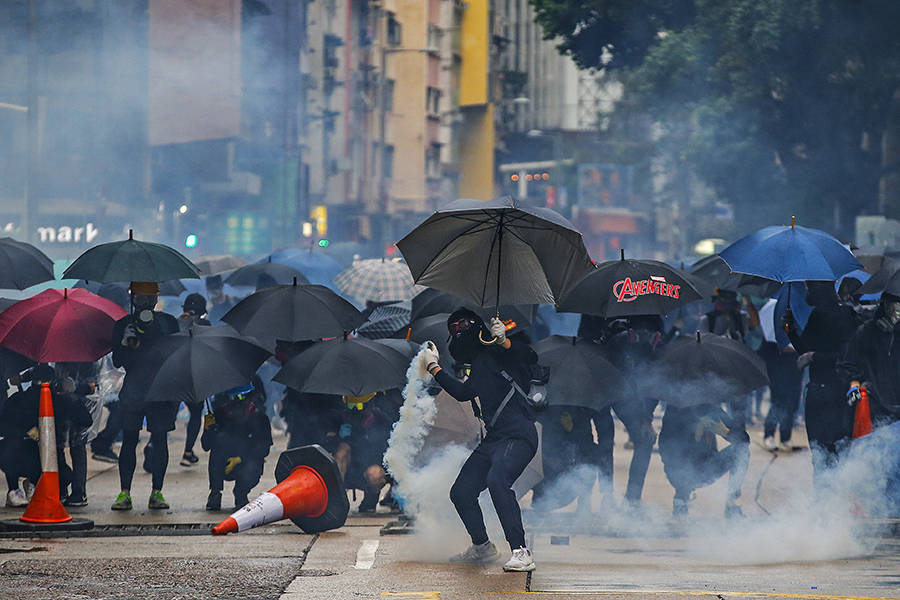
(131, 260)
(22, 265)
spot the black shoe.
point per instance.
(105, 456)
(75, 501)
(189, 459)
(369, 502)
(214, 502)
(148, 452)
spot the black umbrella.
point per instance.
(707, 369)
(434, 329)
(497, 252)
(432, 302)
(13, 363)
(214, 264)
(131, 260)
(716, 273)
(626, 287)
(249, 274)
(200, 362)
(580, 374)
(294, 313)
(385, 321)
(22, 265)
(885, 279)
(350, 367)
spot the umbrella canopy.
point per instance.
(794, 253)
(60, 326)
(294, 313)
(716, 273)
(217, 263)
(885, 279)
(13, 363)
(580, 374)
(22, 265)
(793, 295)
(317, 267)
(346, 366)
(131, 260)
(378, 280)
(498, 252)
(202, 361)
(433, 328)
(432, 302)
(626, 287)
(386, 320)
(707, 369)
(249, 274)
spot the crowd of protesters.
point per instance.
(844, 349)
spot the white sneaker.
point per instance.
(16, 498)
(770, 444)
(786, 446)
(521, 561)
(483, 553)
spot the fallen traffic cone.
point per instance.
(310, 492)
(45, 512)
(45, 506)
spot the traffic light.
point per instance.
(190, 241)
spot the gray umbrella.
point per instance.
(580, 374)
(497, 252)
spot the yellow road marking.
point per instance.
(811, 596)
(413, 595)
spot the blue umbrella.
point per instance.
(796, 299)
(318, 268)
(792, 253)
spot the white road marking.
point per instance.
(365, 556)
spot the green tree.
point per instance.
(788, 102)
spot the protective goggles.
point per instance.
(462, 325)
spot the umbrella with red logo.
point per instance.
(60, 326)
(626, 287)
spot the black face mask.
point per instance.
(466, 346)
(142, 303)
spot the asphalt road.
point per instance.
(792, 552)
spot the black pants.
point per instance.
(193, 425)
(20, 457)
(829, 426)
(159, 458)
(245, 474)
(105, 439)
(495, 465)
(637, 417)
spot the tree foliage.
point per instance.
(787, 101)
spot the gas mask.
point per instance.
(892, 312)
(143, 302)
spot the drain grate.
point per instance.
(156, 529)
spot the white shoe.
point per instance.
(16, 499)
(786, 446)
(770, 444)
(521, 561)
(483, 553)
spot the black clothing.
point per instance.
(873, 358)
(785, 381)
(240, 430)
(509, 445)
(692, 461)
(137, 380)
(570, 457)
(370, 432)
(310, 418)
(828, 416)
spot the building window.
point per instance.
(433, 161)
(433, 101)
(387, 167)
(388, 96)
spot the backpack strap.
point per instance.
(512, 392)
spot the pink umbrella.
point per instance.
(60, 326)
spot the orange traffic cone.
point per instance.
(862, 421)
(310, 492)
(45, 506)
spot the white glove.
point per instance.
(430, 356)
(498, 330)
(129, 333)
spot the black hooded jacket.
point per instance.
(829, 328)
(873, 357)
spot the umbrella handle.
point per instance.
(481, 339)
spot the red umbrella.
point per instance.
(60, 326)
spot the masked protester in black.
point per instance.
(133, 337)
(873, 360)
(511, 440)
(823, 341)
